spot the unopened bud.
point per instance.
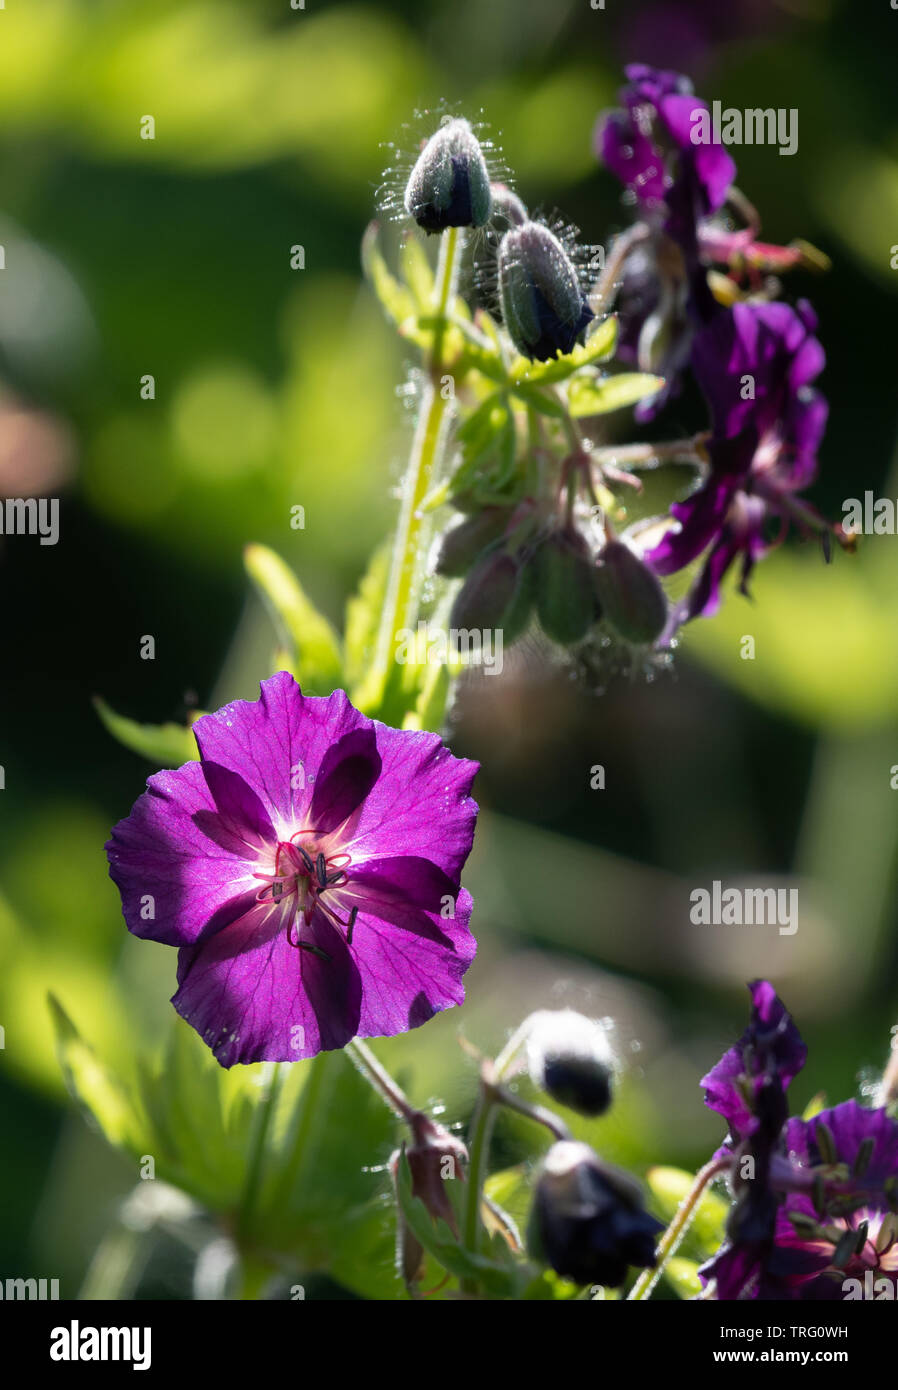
(588, 1221)
(486, 594)
(435, 1157)
(449, 185)
(542, 303)
(630, 594)
(566, 599)
(462, 543)
(568, 1057)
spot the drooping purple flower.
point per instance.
(770, 1053)
(755, 364)
(834, 1189)
(649, 145)
(308, 870)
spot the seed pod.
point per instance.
(486, 594)
(461, 545)
(631, 597)
(542, 303)
(449, 185)
(565, 600)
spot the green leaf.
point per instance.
(416, 272)
(706, 1232)
(598, 346)
(590, 396)
(397, 300)
(100, 1094)
(540, 401)
(682, 1275)
(487, 442)
(301, 628)
(166, 745)
(498, 1280)
(363, 612)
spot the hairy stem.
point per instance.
(428, 446)
(380, 1079)
(675, 1232)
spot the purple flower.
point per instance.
(307, 868)
(755, 364)
(835, 1199)
(769, 1054)
(648, 145)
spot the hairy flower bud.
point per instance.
(632, 599)
(588, 1221)
(486, 594)
(568, 1056)
(449, 185)
(462, 543)
(542, 303)
(435, 1157)
(566, 599)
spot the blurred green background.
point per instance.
(278, 387)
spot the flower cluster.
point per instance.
(816, 1199)
(550, 534)
(694, 296)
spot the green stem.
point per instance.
(675, 1232)
(478, 1158)
(261, 1131)
(117, 1264)
(402, 600)
(380, 1079)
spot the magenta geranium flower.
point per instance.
(755, 364)
(308, 870)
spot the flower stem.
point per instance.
(380, 1079)
(428, 445)
(675, 1232)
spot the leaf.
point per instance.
(498, 1280)
(599, 345)
(99, 1093)
(397, 300)
(486, 436)
(539, 401)
(682, 1275)
(416, 272)
(591, 396)
(300, 626)
(706, 1232)
(363, 612)
(166, 745)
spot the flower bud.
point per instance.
(462, 543)
(542, 304)
(568, 1057)
(588, 1221)
(449, 185)
(630, 594)
(435, 1157)
(486, 594)
(566, 599)
(517, 615)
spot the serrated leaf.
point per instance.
(588, 396)
(397, 299)
(165, 745)
(598, 346)
(305, 632)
